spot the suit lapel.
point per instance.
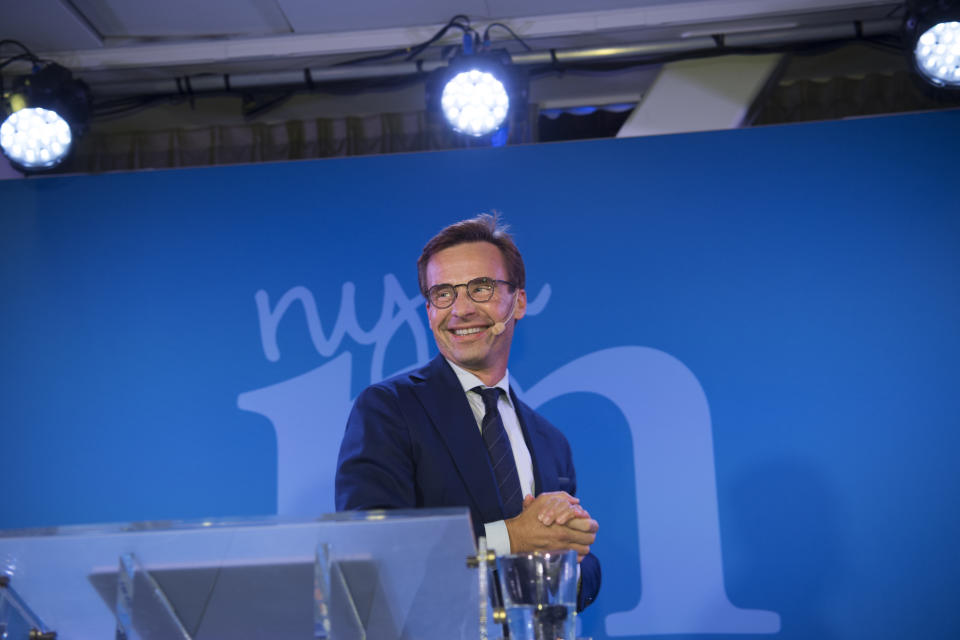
(443, 399)
(541, 454)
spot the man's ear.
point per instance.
(521, 309)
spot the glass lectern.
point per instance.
(378, 575)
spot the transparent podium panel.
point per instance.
(16, 618)
(377, 575)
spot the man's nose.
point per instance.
(464, 304)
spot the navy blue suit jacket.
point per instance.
(412, 441)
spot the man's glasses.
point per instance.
(442, 296)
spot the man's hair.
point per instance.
(483, 228)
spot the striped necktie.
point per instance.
(500, 452)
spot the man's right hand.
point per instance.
(552, 521)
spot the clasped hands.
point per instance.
(552, 521)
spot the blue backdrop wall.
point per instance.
(749, 337)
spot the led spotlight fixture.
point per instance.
(938, 53)
(932, 34)
(475, 102)
(35, 138)
(475, 95)
(45, 112)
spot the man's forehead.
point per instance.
(465, 261)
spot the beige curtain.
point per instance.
(798, 101)
(836, 98)
(262, 142)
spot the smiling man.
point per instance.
(453, 433)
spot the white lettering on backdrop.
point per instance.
(664, 405)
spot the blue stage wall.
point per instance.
(749, 337)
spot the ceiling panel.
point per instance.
(169, 38)
(45, 25)
(659, 12)
(183, 18)
(310, 16)
(510, 9)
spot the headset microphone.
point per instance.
(500, 327)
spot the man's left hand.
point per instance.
(556, 508)
(562, 509)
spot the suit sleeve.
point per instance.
(375, 468)
(589, 581)
(590, 575)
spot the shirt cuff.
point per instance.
(498, 540)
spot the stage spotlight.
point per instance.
(35, 138)
(475, 102)
(475, 95)
(932, 34)
(45, 112)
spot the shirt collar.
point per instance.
(468, 381)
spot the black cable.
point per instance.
(486, 34)
(26, 51)
(22, 56)
(415, 49)
(420, 48)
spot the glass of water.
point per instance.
(540, 594)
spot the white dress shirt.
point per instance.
(498, 540)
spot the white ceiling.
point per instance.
(120, 40)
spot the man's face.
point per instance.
(462, 330)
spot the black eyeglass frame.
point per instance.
(466, 286)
